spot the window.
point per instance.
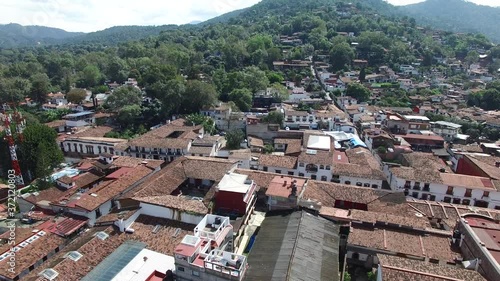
(497, 207)
(180, 268)
(415, 195)
(486, 194)
(328, 167)
(278, 171)
(196, 273)
(290, 173)
(313, 177)
(426, 187)
(447, 200)
(301, 164)
(347, 182)
(456, 200)
(375, 186)
(359, 184)
(323, 178)
(301, 174)
(466, 202)
(407, 184)
(432, 198)
(468, 193)
(265, 169)
(321, 167)
(366, 185)
(424, 196)
(450, 190)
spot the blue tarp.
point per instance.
(356, 141)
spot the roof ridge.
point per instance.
(294, 245)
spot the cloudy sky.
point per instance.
(93, 15)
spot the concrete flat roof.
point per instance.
(318, 142)
(140, 268)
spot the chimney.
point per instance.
(284, 184)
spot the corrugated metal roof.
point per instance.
(291, 246)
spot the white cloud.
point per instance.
(92, 15)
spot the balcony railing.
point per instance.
(416, 187)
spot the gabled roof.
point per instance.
(290, 246)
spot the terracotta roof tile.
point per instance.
(95, 250)
(373, 217)
(106, 192)
(292, 145)
(320, 158)
(262, 179)
(411, 243)
(397, 268)
(288, 162)
(30, 255)
(175, 202)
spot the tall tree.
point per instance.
(40, 85)
(91, 76)
(198, 95)
(341, 56)
(358, 91)
(39, 152)
(242, 98)
(122, 96)
(76, 95)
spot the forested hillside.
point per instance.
(14, 35)
(457, 16)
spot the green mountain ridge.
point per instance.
(456, 16)
(449, 15)
(13, 35)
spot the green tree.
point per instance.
(358, 91)
(280, 92)
(40, 84)
(274, 117)
(341, 56)
(198, 119)
(472, 57)
(255, 79)
(242, 98)
(122, 96)
(14, 89)
(39, 152)
(268, 149)
(76, 95)
(129, 114)
(234, 139)
(198, 95)
(362, 75)
(91, 75)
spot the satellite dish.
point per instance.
(287, 128)
(419, 215)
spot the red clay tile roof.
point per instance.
(292, 145)
(30, 255)
(398, 241)
(95, 250)
(320, 158)
(268, 160)
(106, 192)
(328, 193)
(175, 202)
(373, 217)
(398, 268)
(281, 186)
(172, 176)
